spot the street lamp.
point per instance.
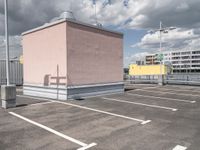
(7, 42)
(8, 92)
(161, 30)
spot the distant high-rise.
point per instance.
(151, 59)
(182, 61)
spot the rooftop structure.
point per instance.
(140, 70)
(67, 58)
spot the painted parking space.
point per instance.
(88, 133)
(84, 145)
(140, 104)
(106, 122)
(162, 98)
(183, 87)
(182, 102)
(170, 92)
(76, 122)
(18, 134)
(179, 90)
(159, 103)
(93, 109)
(157, 93)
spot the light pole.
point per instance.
(8, 92)
(7, 42)
(161, 30)
(95, 11)
(161, 77)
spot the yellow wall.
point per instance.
(147, 69)
(21, 59)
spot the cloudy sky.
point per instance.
(132, 17)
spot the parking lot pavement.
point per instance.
(194, 91)
(182, 87)
(15, 134)
(176, 92)
(156, 92)
(135, 120)
(20, 102)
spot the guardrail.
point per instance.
(184, 79)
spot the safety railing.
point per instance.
(184, 79)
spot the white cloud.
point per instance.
(140, 14)
(26, 14)
(138, 21)
(14, 45)
(182, 7)
(176, 39)
(132, 58)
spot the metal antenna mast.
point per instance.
(95, 11)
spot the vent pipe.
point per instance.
(67, 15)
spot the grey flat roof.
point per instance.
(69, 20)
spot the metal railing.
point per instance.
(188, 79)
(184, 79)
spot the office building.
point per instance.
(181, 61)
(151, 59)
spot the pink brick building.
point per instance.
(67, 59)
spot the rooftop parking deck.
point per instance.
(145, 117)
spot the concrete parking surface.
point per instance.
(145, 117)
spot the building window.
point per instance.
(196, 52)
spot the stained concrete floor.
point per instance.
(113, 122)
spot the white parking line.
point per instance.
(135, 103)
(105, 112)
(92, 109)
(167, 92)
(87, 146)
(84, 146)
(157, 97)
(179, 147)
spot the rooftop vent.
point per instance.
(67, 15)
(64, 15)
(99, 25)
